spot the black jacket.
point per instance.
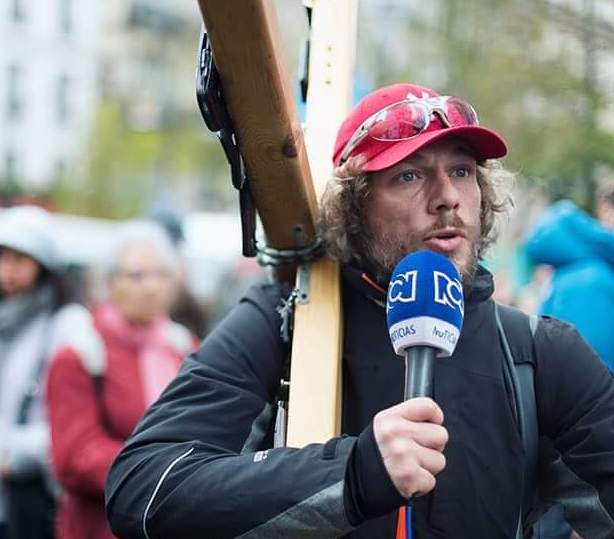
(197, 465)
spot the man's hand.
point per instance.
(411, 440)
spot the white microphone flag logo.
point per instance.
(448, 291)
(403, 288)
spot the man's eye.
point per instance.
(408, 176)
(462, 172)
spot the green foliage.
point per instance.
(148, 145)
(524, 71)
(126, 167)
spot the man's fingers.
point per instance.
(419, 409)
(428, 435)
(422, 482)
(406, 455)
(389, 427)
(424, 434)
(411, 439)
(432, 460)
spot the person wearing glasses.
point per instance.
(115, 367)
(411, 170)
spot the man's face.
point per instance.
(431, 200)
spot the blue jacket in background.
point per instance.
(581, 252)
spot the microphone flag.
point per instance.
(425, 304)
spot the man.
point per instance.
(580, 251)
(412, 171)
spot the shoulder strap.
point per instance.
(74, 327)
(33, 389)
(516, 332)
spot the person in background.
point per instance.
(100, 384)
(32, 294)
(605, 204)
(580, 250)
(185, 307)
(530, 296)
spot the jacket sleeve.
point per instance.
(575, 397)
(196, 466)
(81, 448)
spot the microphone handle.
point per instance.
(419, 362)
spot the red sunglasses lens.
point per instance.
(402, 121)
(459, 112)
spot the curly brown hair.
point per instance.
(342, 222)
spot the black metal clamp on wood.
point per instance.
(215, 114)
(213, 109)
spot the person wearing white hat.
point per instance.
(31, 295)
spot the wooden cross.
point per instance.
(288, 169)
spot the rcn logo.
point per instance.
(403, 288)
(448, 291)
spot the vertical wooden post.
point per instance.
(315, 380)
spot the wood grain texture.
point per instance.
(314, 413)
(314, 410)
(245, 40)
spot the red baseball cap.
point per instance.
(382, 154)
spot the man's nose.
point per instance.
(444, 193)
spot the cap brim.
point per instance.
(486, 143)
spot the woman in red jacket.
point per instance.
(120, 360)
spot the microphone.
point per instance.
(424, 310)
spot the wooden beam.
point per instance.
(314, 413)
(246, 44)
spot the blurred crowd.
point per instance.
(78, 368)
(572, 258)
(573, 279)
(77, 373)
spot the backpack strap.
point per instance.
(516, 332)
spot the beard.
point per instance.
(381, 250)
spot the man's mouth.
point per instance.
(445, 240)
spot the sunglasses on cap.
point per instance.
(409, 118)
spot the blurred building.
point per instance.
(48, 74)
(584, 31)
(59, 57)
(144, 61)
